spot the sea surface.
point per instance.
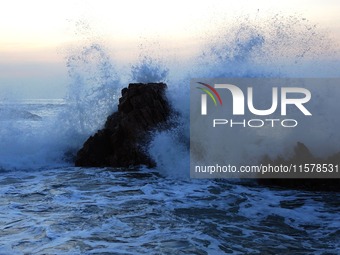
(47, 206)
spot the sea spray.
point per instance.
(148, 70)
(271, 46)
(29, 143)
(93, 90)
(92, 96)
(277, 46)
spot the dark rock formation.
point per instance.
(302, 155)
(142, 108)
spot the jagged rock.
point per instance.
(302, 155)
(142, 108)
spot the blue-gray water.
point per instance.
(49, 207)
(108, 211)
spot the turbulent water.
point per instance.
(106, 211)
(47, 206)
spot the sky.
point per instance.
(37, 35)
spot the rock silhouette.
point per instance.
(302, 155)
(142, 108)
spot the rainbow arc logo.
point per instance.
(212, 93)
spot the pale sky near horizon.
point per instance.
(35, 33)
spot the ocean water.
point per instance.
(108, 211)
(47, 206)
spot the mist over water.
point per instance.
(47, 206)
(248, 47)
(279, 47)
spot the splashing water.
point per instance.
(69, 210)
(91, 98)
(276, 47)
(149, 70)
(92, 93)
